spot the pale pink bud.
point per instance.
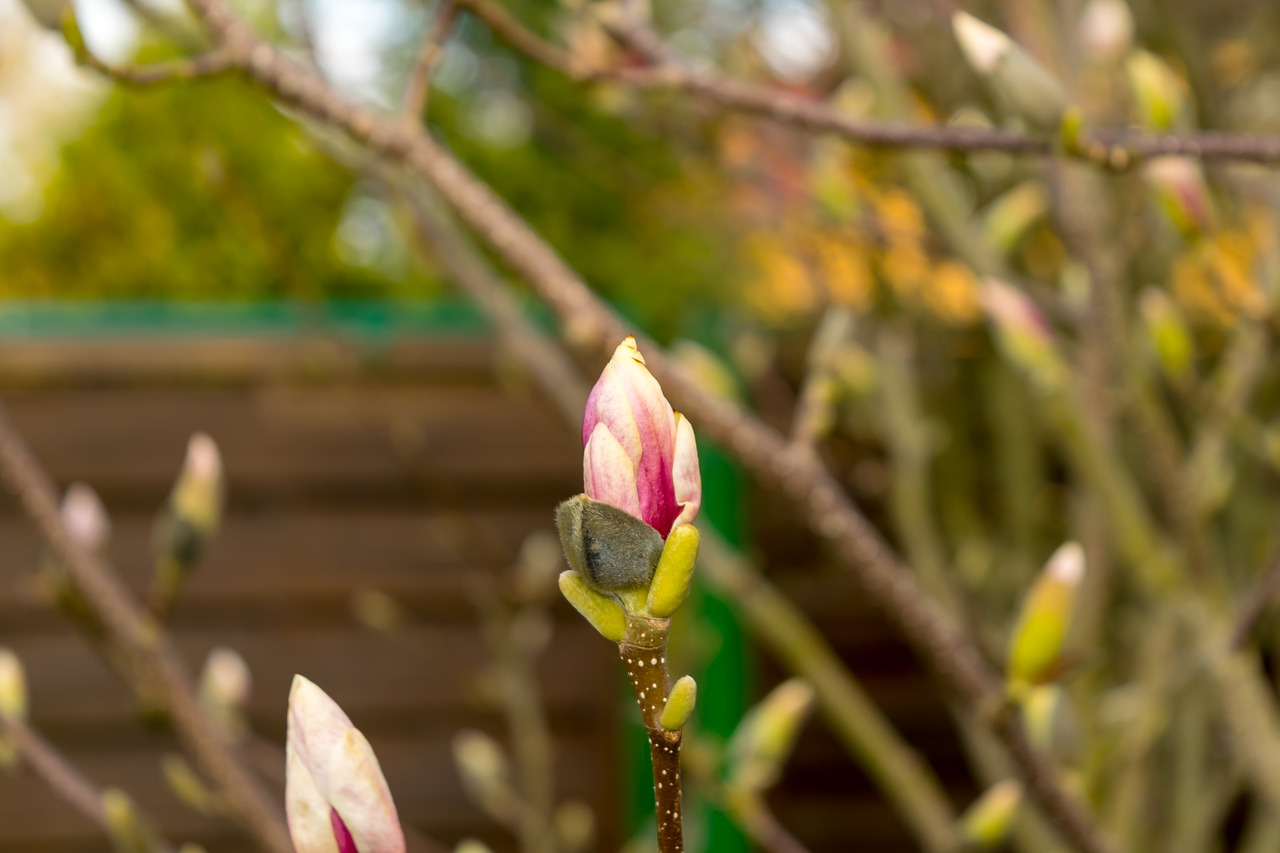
(84, 517)
(639, 456)
(336, 798)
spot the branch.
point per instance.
(62, 777)
(415, 96)
(1256, 604)
(204, 65)
(1112, 149)
(149, 655)
(589, 324)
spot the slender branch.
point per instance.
(1256, 603)
(151, 658)
(419, 88)
(62, 777)
(1109, 148)
(188, 68)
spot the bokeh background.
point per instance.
(190, 257)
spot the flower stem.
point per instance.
(644, 653)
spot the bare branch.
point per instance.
(419, 89)
(62, 777)
(1111, 149)
(204, 65)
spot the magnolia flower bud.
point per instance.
(639, 455)
(85, 518)
(1179, 187)
(1022, 333)
(13, 700)
(1035, 647)
(764, 738)
(482, 766)
(225, 682)
(1158, 91)
(1106, 30)
(1167, 333)
(189, 520)
(336, 798)
(13, 686)
(986, 823)
(1030, 90)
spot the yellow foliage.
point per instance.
(952, 293)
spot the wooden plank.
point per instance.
(250, 360)
(293, 551)
(420, 670)
(135, 438)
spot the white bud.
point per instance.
(85, 518)
(1106, 30)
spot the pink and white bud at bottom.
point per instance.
(336, 798)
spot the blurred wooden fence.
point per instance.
(407, 468)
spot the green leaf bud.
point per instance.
(482, 766)
(1035, 647)
(986, 824)
(602, 610)
(187, 785)
(1024, 84)
(674, 574)
(764, 738)
(680, 704)
(129, 833)
(13, 686)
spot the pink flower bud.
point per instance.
(640, 456)
(336, 798)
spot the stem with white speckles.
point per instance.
(644, 653)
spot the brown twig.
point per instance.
(62, 777)
(150, 658)
(1108, 148)
(589, 324)
(188, 68)
(419, 88)
(1256, 603)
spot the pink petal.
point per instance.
(360, 796)
(686, 474)
(629, 402)
(346, 844)
(607, 472)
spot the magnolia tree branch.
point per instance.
(1109, 148)
(415, 96)
(62, 777)
(152, 662)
